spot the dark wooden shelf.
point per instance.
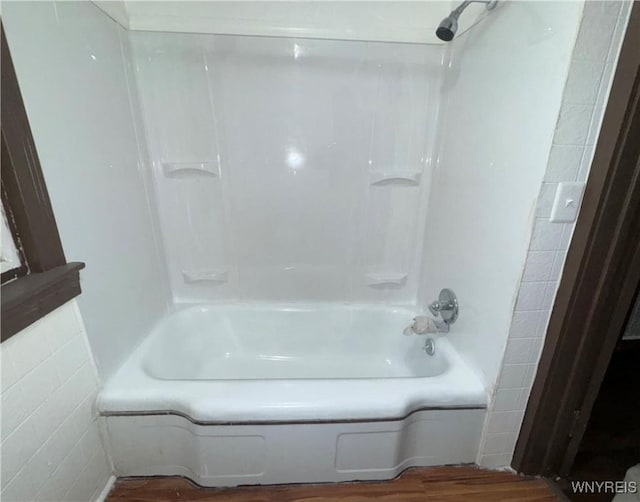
(28, 298)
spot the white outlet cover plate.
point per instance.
(567, 202)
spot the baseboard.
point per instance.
(102, 496)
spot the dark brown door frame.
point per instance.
(601, 275)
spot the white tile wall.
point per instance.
(584, 100)
(51, 450)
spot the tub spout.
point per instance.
(441, 326)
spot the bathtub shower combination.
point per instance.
(278, 305)
(292, 224)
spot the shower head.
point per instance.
(449, 25)
(447, 28)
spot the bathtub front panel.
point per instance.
(230, 455)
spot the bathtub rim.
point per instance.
(311, 421)
(132, 391)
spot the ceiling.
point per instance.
(388, 21)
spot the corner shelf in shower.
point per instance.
(187, 169)
(378, 279)
(406, 178)
(197, 276)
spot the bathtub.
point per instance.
(263, 393)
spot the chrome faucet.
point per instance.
(446, 306)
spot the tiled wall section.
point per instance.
(51, 449)
(584, 100)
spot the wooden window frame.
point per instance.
(45, 280)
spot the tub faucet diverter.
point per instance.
(445, 307)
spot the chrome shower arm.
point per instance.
(460, 8)
(449, 25)
(490, 4)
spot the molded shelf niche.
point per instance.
(402, 178)
(197, 276)
(188, 169)
(380, 279)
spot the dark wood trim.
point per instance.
(45, 280)
(600, 278)
(9, 275)
(23, 269)
(26, 300)
(22, 177)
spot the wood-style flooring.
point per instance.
(415, 485)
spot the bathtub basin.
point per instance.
(267, 394)
(266, 363)
(287, 342)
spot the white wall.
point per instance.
(51, 449)
(583, 105)
(501, 100)
(290, 137)
(69, 63)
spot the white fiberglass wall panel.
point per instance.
(289, 169)
(501, 99)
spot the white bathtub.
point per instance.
(245, 394)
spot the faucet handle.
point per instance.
(434, 308)
(446, 306)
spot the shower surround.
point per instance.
(309, 197)
(292, 180)
(300, 219)
(289, 170)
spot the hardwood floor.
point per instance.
(414, 485)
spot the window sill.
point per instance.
(31, 297)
